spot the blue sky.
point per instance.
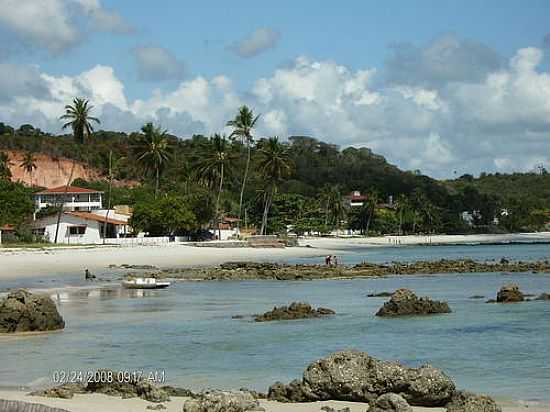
(398, 76)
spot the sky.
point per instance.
(444, 87)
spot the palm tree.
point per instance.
(337, 210)
(274, 165)
(80, 121)
(28, 164)
(152, 150)
(214, 164)
(242, 125)
(325, 199)
(5, 172)
(403, 206)
(372, 201)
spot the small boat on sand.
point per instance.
(144, 283)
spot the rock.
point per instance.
(22, 311)
(357, 377)
(329, 409)
(464, 401)
(174, 391)
(405, 302)
(20, 406)
(380, 295)
(296, 310)
(543, 296)
(390, 402)
(126, 388)
(158, 407)
(65, 391)
(477, 297)
(220, 401)
(510, 293)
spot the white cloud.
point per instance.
(256, 42)
(104, 20)
(43, 23)
(157, 64)
(52, 25)
(500, 122)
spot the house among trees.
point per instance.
(72, 198)
(355, 199)
(228, 228)
(82, 227)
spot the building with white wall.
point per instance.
(72, 198)
(81, 227)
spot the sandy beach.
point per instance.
(23, 262)
(98, 402)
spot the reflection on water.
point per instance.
(187, 330)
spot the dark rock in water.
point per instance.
(296, 310)
(464, 401)
(357, 377)
(390, 402)
(380, 295)
(543, 296)
(22, 311)
(405, 302)
(65, 391)
(477, 297)
(510, 294)
(491, 301)
(237, 317)
(174, 391)
(20, 406)
(220, 401)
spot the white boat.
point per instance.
(144, 283)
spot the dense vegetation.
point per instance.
(184, 185)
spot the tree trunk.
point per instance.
(268, 200)
(244, 181)
(60, 212)
(157, 182)
(400, 231)
(217, 215)
(109, 202)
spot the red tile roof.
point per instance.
(96, 218)
(231, 219)
(7, 228)
(70, 189)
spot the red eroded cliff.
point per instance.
(49, 172)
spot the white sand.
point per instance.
(18, 263)
(351, 242)
(97, 402)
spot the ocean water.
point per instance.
(187, 330)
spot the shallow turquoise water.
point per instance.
(187, 331)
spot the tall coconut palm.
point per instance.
(5, 172)
(152, 150)
(242, 125)
(28, 164)
(337, 210)
(79, 120)
(274, 164)
(372, 201)
(216, 162)
(403, 206)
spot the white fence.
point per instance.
(129, 241)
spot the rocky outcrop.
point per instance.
(380, 295)
(357, 377)
(295, 310)
(20, 406)
(22, 311)
(405, 302)
(510, 294)
(220, 401)
(390, 402)
(543, 296)
(113, 383)
(464, 401)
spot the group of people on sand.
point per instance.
(331, 260)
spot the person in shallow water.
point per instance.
(328, 260)
(88, 275)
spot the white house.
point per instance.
(81, 227)
(355, 199)
(227, 229)
(75, 199)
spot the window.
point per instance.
(77, 230)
